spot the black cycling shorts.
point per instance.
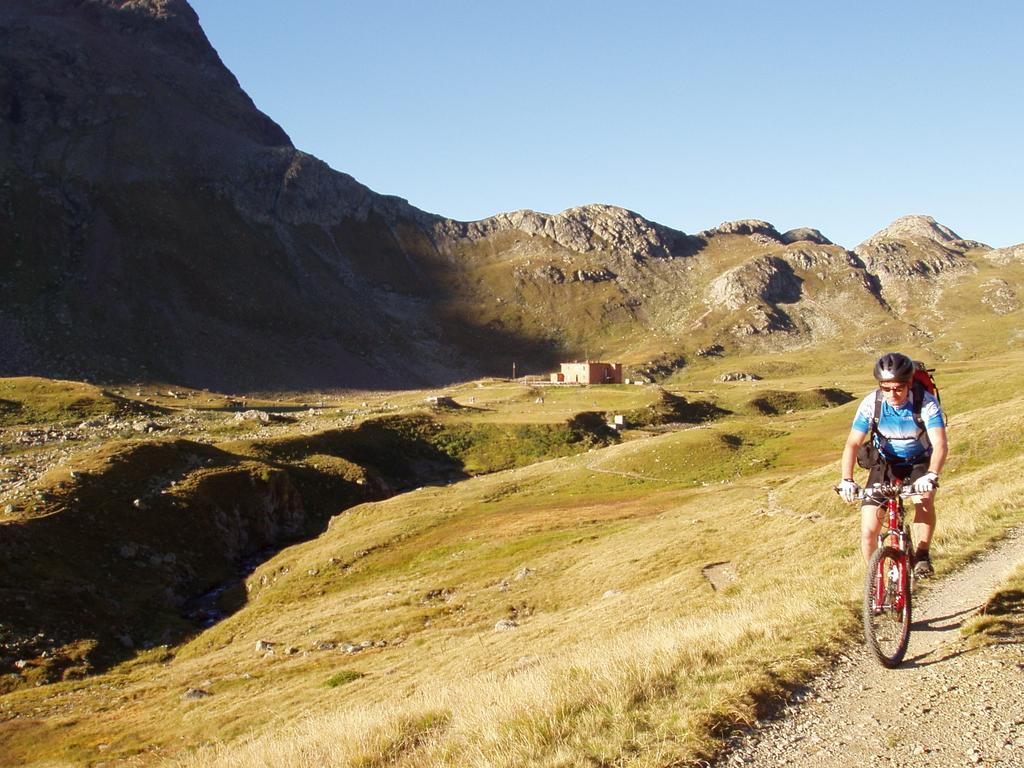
(887, 474)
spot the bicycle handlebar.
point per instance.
(885, 490)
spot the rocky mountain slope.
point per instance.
(154, 224)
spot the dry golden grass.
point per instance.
(623, 653)
(646, 676)
(1001, 619)
(647, 695)
(643, 677)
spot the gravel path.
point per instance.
(945, 706)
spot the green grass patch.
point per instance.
(342, 678)
(411, 449)
(774, 402)
(670, 408)
(29, 400)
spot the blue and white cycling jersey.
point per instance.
(897, 425)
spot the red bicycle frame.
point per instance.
(887, 581)
(894, 534)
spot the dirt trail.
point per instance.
(946, 706)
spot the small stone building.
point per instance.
(588, 373)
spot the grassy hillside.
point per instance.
(620, 606)
(33, 400)
(110, 543)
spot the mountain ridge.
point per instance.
(155, 224)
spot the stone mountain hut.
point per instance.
(588, 373)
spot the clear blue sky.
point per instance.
(839, 116)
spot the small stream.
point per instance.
(204, 611)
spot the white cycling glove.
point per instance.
(926, 483)
(848, 489)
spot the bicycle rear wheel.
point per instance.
(887, 605)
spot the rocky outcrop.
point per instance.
(743, 227)
(291, 187)
(762, 231)
(739, 376)
(769, 279)
(916, 246)
(805, 234)
(913, 248)
(753, 292)
(1004, 256)
(915, 228)
(1000, 296)
(169, 519)
(586, 229)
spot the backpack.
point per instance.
(921, 383)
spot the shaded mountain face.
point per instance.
(154, 224)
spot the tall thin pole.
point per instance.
(513, 370)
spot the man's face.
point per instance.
(896, 392)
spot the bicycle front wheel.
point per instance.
(887, 605)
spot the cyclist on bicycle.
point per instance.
(908, 448)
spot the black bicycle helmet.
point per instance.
(894, 366)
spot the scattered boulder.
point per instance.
(366, 645)
(1000, 297)
(739, 376)
(443, 402)
(660, 367)
(593, 275)
(719, 575)
(550, 273)
(713, 350)
(505, 624)
(196, 693)
(253, 415)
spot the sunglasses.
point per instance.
(893, 387)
